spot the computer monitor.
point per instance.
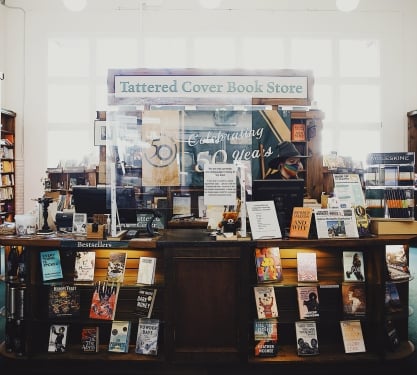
(97, 200)
(286, 195)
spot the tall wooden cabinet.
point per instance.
(206, 305)
(7, 165)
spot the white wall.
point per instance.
(393, 21)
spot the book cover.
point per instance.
(352, 336)
(397, 262)
(84, 265)
(51, 265)
(301, 220)
(298, 132)
(145, 301)
(353, 266)
(146, 270)
(265, 333)
(120, 336)
(79, 222)
(308, 302)
(58, 334)
(354, 299)
(393, 337)
(266, 303)
(307, 341)
(104, 300)
(306, 266)
(147, 336)
(63, 301)
(268, 264)
(116, 266)
(392, 298)
(90, 339)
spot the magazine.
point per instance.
(336, 223)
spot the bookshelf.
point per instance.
(7, 164)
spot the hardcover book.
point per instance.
(84, 265)
(307, 341)
(268, 264)
(63, 301)
(51, 265)
(353, 266)
(58, 334)
(301, 221)
(104, 300)
(392, 298)
(265, 337)
(116, 266)
(146, 270)
(90, 339)
(147, 337)
(352, 336)
(120, 336)
(298, 132)
(354, 299)
(306, 266)
(145, 301)
(266, 303)
(397, 262)
(308, 302)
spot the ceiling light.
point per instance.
(210, 4)
(75, 5)
(347, 5)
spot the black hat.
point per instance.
(288, 150)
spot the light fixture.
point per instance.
(347, 5)
(210, 4)
(75, 5)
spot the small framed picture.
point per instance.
(100, 131)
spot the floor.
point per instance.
(407, 366)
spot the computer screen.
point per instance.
(286, 195)
(96, 200)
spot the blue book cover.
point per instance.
(51, 265)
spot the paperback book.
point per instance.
(63, 301)
(397, 262)
(354, 299)
(265, 337)
(51, 265)
(104, 300)
(145, 301)
(392, 298)
(353, 266)
(266, 303)
(146, 270)
(147, 336)
(120, 336)
(352, 336)
(90, 339)
(306, 267)
(84, 265)
(58, 334)
(268, 264)
(116, 266)
(301, 221)
(308, 302)
(307, 340)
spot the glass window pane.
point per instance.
(78, 148)
(214, 52)
(323, 96)
(360, 103)
(359, 58)
(365, 141)
(68, 57)
(68, 103)
(262, 53)
(116, 53)
(315, 54)
(101, 98)
(165, 52)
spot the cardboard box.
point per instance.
(393, 227)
